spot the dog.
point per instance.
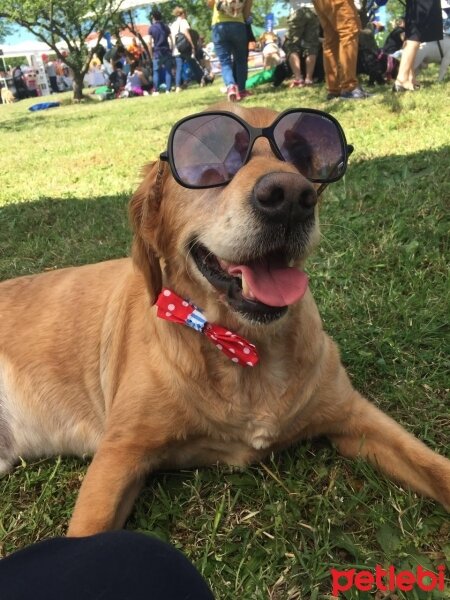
(271, 51)
(7, 96)
(434, 52)
(87, 367)
(375, 65)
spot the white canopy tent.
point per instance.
(32, 50)
(123, 5)
(28, 48)
(131, 4)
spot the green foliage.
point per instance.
(379, 278)
(198, 13)
(16, 61)
(5, 29)
(260, 8)
(395, 9)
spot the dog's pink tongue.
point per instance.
(272, 285)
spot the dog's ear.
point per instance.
(144, 216)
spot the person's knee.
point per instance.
(115, 565)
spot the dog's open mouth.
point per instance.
(259, 289)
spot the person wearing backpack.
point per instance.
(182, 43)
(229, 35)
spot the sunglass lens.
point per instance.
(208, 150)
(312, 143)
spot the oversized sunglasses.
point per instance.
(207, 150)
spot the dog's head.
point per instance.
(238, 248)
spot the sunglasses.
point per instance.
(207, 150)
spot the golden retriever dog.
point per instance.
(87, 367)
(7, 96)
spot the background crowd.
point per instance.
(324, 41)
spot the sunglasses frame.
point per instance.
(254, 134)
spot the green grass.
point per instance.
(273, 530)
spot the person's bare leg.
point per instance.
(310, 65)
(294, 63)
(405, 75)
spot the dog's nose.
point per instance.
(284, 198)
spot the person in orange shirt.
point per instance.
(135, 50)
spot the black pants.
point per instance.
(119, 565)
(54, 85)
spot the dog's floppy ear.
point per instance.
(144, 216)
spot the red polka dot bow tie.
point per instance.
(173, 308)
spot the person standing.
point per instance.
(423, 23)
(302, 38)
(229, 35)
(162, 52)
(20, 83)
(50, 71)
(180, 25)
(341, 26)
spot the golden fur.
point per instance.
(7, 96)
(86, 367)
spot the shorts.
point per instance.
(303, 32)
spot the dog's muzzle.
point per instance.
(262, 285)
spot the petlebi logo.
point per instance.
(387, 580)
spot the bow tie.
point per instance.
(173, 308)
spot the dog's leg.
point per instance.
(445, 63)
(5, 466)
(366, 431)
(111, 485)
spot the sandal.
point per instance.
(297, 83)
(398, 87)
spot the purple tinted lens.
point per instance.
(312, 143)
(208, 150)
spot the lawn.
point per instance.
(380, 277)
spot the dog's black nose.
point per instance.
(284, 198)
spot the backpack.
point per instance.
(182, 44)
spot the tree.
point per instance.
(199, 15)
(396, 8)
(4, 30)
(129, 19)
(260, 9)
(68, 21)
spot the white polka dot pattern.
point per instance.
(173, 308)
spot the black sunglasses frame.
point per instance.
(254, 134)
